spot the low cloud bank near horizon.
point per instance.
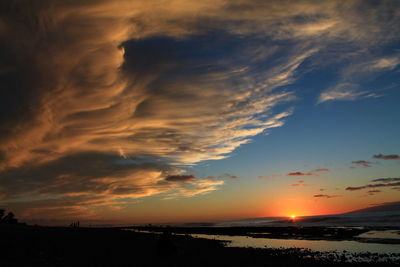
(105, 102)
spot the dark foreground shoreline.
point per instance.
(62, 246)
(284, 232)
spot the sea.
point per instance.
(383, 236)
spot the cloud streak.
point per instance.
(362, 163)
(325, 196)
(356, 188)
(386, 157)
(301, 174)
(385, 180)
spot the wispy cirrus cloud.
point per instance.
(349, 88)
(342, 91)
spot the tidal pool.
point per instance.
(318, 245)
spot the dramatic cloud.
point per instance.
(363, 163)
(380, 156)
(325, 196)
(104, 102)
(79, 183)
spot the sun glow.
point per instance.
(292, 217)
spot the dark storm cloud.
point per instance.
(386, 157)
(363, 163)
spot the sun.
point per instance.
(292, 217)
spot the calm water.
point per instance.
(318, 245)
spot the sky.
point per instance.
(130, 111)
